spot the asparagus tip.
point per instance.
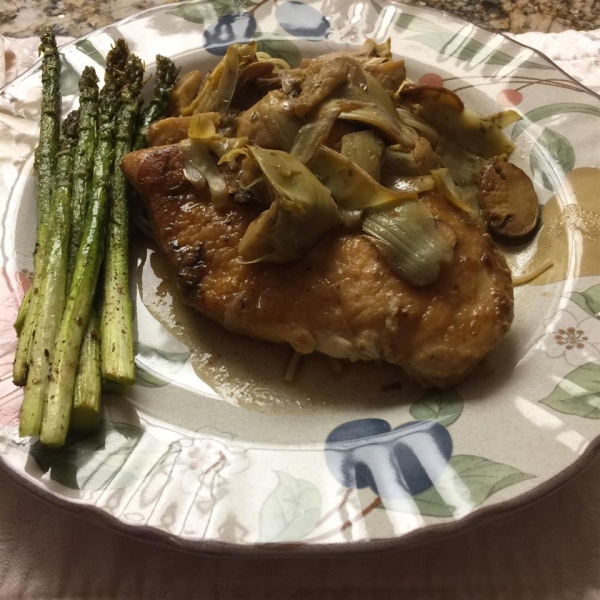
(47, 40)
(115, 63)
(70, 126)
(88, 79)
(134, 75)
(166, 70)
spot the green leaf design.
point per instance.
(291, 510)
(578, 393)
(551, 158)
(279, 47)
(552, 110)
(156, 368)
(588, 300)
(467, 482)
(90, 50)
(413, 23)
(470, 50)
(209, 10)
(444, 406)
(112, 457)
(459, 46)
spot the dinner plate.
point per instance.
(211, 448)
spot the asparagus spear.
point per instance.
(20, 320)
(45, 164)
(166, 75)
(118, 362)
(116, 323)
(85, 414)
(52, 290)
(89, 258)
(84, 158)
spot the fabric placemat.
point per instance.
(549, 550)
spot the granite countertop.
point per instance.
(22, 18)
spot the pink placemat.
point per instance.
(547, 551)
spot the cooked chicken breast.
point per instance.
(341, 299)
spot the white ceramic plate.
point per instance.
(210, 448)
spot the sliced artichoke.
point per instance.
(419, 125)
(446, 185)
(443, 109)
(352, 187)
(467, 128)
(203, 126)
(218, 88)
(504, 118)
(379, 110)
(464, 166)
(364, 149)
(419, 184)
(409, 239)
(200, 169)
(301, 212)
(271, 122)
(314, 132)
(421, 160)
(184, 92)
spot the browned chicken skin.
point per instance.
(341, 299)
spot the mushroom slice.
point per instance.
(508, 201)
(439, 95)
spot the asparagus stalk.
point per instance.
(84, 158)
(166, 75)
(85, 414)
(87, 396)
(57, 410)
(45, 164)
(116, 323)
(52, 290)
(20, 320)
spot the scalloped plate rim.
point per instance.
(426, 534)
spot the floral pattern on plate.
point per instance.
(359, 457)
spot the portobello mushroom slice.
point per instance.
(508, 201)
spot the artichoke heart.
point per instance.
(314, 132)
(504, 118)
(445, 184)
(217, 90)
(301, 212)
(467, 128)
(364, 149)
(200, 169)
(409, 239)
(352, 187)
(421, 160)
(203, 126)
(378, 110)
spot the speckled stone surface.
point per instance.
(22, 18)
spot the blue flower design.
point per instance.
(302, 21)
(394, 463)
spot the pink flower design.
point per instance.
(204, 463)
(577, 341)
(12, 290)
(509, 98)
